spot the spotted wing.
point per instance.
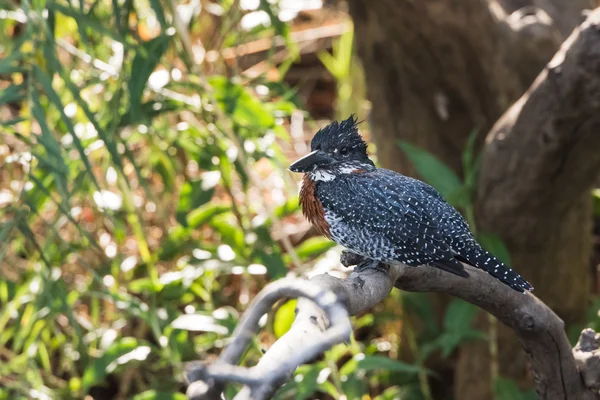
(395, 211)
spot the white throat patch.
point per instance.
(320, 175)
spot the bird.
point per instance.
(383, 216)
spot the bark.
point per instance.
(438, 70)
(321, 321)
(556, 367)
(565, 14)
(549, 140)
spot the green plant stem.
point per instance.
(493, 346)
(414, 348)
(134, 221)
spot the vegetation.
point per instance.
(144, 200)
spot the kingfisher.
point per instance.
(384, 216)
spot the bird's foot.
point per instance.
(371, 264)
(349, 259)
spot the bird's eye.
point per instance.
(344, 151)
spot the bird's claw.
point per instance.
(349, 259)
(371, 264)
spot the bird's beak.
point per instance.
(312, 161)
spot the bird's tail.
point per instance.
(484, 260)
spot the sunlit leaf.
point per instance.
(284, 317)
(89, 21)
(244, 108)
(55, 99)
(155, 395)
(314, 247)
(291, 206)
(194, 194)
(205, 213)
(200, 323)
(143, 65)
(118, 352)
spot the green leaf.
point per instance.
(205, 213)
(89, 21)
(12, 94)
(457, 329)
(354, 387)
(143, 285)
(392, 393)
(97, 371)
(10, 63)
(494, 245)
(55, 99)
(329, 388)
(459, 315)
(437, 174)
(244, 108)
(232, 234)
(54, 160)
(370, 363)
(13, 121)
(291, 206)
(284, 317)
(145, 61)
(154, 395)
(308, 385)
(314, 247)
(273, 261)
(449, 341)
(160, 14)
(194, 194)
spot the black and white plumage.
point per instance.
(385, 216)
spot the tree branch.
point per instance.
(324, 304)
(540, 161)
(539, 329)
(322, 320)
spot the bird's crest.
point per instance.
(342, 134)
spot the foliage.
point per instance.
(145, 195)
(344, 66)
(145, 192)
(143, 201)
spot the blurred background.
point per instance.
(144, 196)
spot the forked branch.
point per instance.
(322, 320)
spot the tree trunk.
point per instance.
(565, 14)
(436, 71)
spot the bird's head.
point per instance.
(336, 149)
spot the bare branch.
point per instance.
(208, 379)
(539, 329)
(321, 321)
(587, 357)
